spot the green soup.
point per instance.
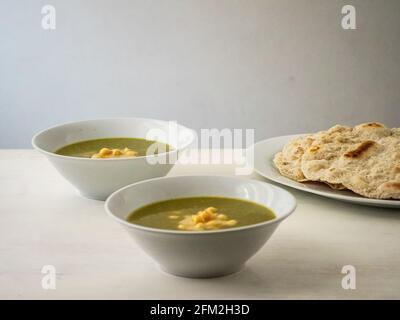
(85, 149)
(170, 214)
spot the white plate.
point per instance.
(264, 152)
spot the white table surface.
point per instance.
(44, 222)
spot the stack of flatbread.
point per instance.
(364, 159)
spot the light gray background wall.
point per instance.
(277, 66)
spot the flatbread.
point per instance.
(372, 169)
(319, 161)
(288, 161)
(364, 159)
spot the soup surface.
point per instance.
(200, 213)
(112, 148)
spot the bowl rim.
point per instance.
(204, 232)
(175, 150)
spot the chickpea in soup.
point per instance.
(200, 214)
(112, 148)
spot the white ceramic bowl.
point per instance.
(200, 254)
(98, 178)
